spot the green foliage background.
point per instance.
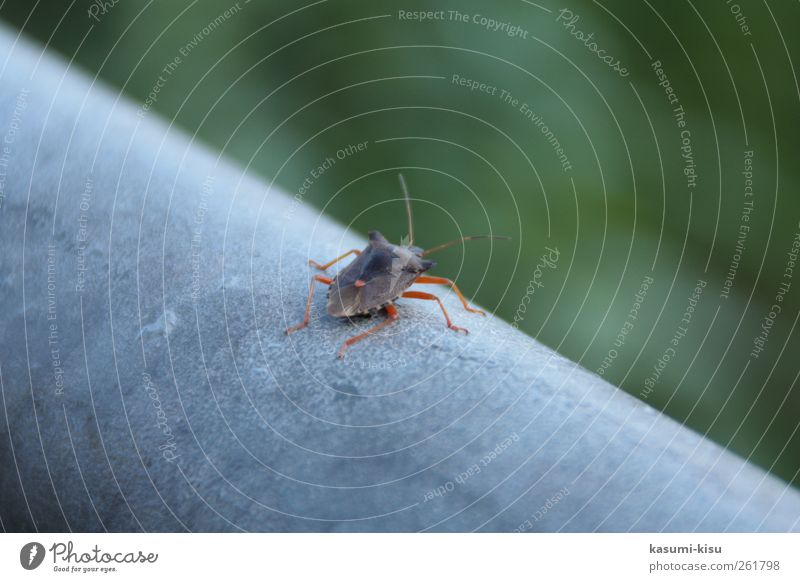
(281, 86)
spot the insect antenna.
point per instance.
(463, 239)
(408, 210)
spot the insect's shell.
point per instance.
(386, 269)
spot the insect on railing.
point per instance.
(380, 275)
(146, 383)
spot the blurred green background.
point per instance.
(281, 86)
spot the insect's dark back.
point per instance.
(386, 271)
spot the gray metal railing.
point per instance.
(147, 383)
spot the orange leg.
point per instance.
(425, 279)
(321, 279)
(391, 311)
(334, 261)
(431, 297)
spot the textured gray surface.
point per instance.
(184, 407)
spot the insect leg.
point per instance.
(391, 311)
(431, 297)
(334, 261)
(315, 278)
(425, 279)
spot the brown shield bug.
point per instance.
(379, 275)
